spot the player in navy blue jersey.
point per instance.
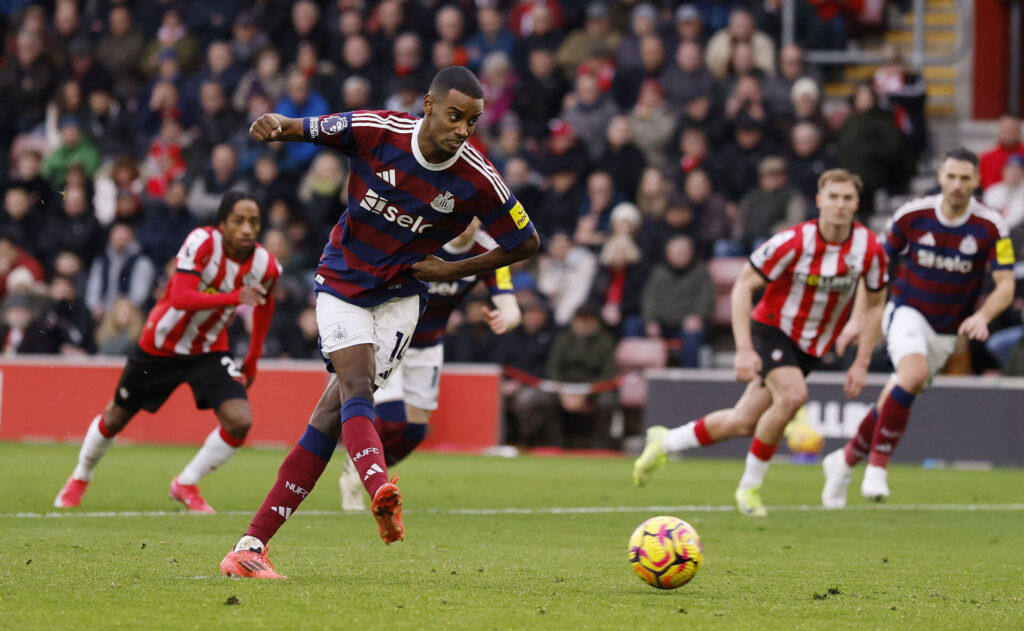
(414, 185)
(405, 404)
(947, 242)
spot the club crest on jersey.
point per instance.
(443, 203)
(969, 245)
(333, 124)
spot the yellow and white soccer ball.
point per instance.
(665, 552)
(801, 437)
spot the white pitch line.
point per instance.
(568, 510)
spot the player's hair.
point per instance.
(840, 175)
(457, 78)
(963, 155)
(227, 204)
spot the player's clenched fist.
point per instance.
(266, 128)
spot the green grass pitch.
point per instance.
(493, 543)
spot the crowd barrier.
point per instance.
(54, 398)
(971, 420)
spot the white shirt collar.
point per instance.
(441, 166)
(952, 223)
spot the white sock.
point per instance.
(248, 542)
(214, 453)
(753, 474)
(93, 448)
(681, 438)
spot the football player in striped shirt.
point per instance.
(185, 340)
(414, 185)
(809, 274)
(405, 404)
(948, 244)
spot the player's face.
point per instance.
(241, 229)
(959, 180)
(452, 120)
(838, 202)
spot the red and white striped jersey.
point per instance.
(811, 282)
(171, 331)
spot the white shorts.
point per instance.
(388, 327)
(907, 332)
(418, 380)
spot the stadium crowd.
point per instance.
(646, 140)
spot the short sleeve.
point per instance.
(195, 252)
(506, 220)
(772, 257)
(895, 236)
(331, 130)
(1001, 253)
(876, 271)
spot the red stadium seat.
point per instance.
(633, 354)
(723, 271)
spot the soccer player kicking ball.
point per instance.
(414, 185)
(809, 274)
(185, 341)
(404, 406)
(946, 242)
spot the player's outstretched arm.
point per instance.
(184, 294)
(747, 363)
(976, 326)
(275, 127)
(869, 331)
(261, 317)
(434, 269)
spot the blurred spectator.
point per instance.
(741, 28)
(509, 143)
(622, 159)
(247, 40)
(870, 145)
(268, 183)
(565, 273)
(13, 257)
(356, 94)
(69, 265)
(778, 89)
(323, 74)
(64, 326)
(596, 209)
(164, 101)
(618, 284)
(218, 178)
(1008, 141)
(67, 27)
(832, 14)
(84, 69)
(522, 181)
(643, 21)
(627, 85)
(305, 25)
(652, 123)
(652, 196)
(410, 70)
(18, 314)
(584, 353)
(265, 77)
(219, 68)
(679, 298)
(742, 156)
(321, 190)
(491, 36)
(771, 207)
(165, 159)
(808, 31)
(538, 98)
(806, 105)
(74, 228)
(120, 51)
(472, 340)
(542, 26)
(525, 16)
(746, 99)
(450, 27)
(499, 82)
(74, 149)
(903, 92)
(68, 101)
(563, 164)
(357, 61)
(28, 167)
(120, 271)
(383, 26)
(109, 125)
(171, 35)
(299, 102)
(216, 122)
(694, 153)
(28, 80)
(21, 218)
(712, 214)
(1008, 197)
(689, 26)
(526, 348)
(301, 341)
(807, 159)
(120, 328)
(687, 78)
(167, 222)
(121, 181)
(595, 34)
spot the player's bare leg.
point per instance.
(788, 393)
(98, 438)
(235, 416)
(717, 426)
